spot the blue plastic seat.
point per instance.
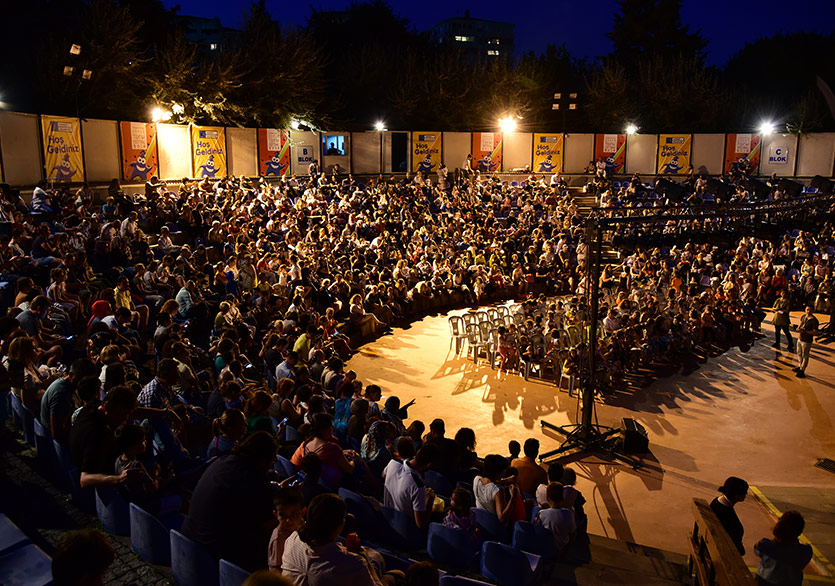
(26, 419)
(149, 537)
(113, 511)
(61, 467)
(11, 537)
(534, 538)
(490, 526)
(461, 581)
(439, 483)
(43, 447)
(507, 566)
(407, 535)
(451, 547)
(288, 467)
(368, 520)
(25, 566)
(291, 434)
(83, 498)
(231, 575)
(534, 511)
(191, 564)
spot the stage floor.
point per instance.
(740, 413)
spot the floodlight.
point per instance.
(631, 129)
(380, 125)
(156, 114)
(767, 128)
(507, 124)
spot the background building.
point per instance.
(476, 37)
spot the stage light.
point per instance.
(380, 126)
(507, 124)
(767, 128)
(631, 129)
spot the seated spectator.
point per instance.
(460, 515)
(404, 489)
(229, 429)
(557, 519)
(489, 492)
(257, 409)
(231, 507)
(530, 474)
(783, 558)
(58, 404)
(375, 446)
(336, 462)
(82, 559)
(141, 486)
(289, 510)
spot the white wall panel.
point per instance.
(641, 153)
(366, 148)
(579, 150)
(21, 146)
(100, 139)
(779, 152)
(301, 139)
(816, 155)
(174, 151)
(457, 146)
(516, 150)
(242, 151)
(708, 154)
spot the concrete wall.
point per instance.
(299, 140)
(21, 144)
(708, 155)
(517, 150)
(641, 153)
(579, 150)
(787, 143)
(102, 159)
(242, 151)
(815, 155)
(457, 146)
(365, 150)
(174, 151)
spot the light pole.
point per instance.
(380, 127)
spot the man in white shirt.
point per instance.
(404, 489)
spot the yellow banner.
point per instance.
(547, 153)
(426, 151)
(62, 149)
(208, 148)
(673, 153)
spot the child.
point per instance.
(229, 429)
(460, 515)
(140, 486)
(514, 448)
(289, 511)
(556, 519)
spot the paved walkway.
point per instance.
(44, 514)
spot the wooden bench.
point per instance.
(714, 559)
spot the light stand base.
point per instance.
(598, 440)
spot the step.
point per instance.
(595, 574)
(599, 541)
(640, 559)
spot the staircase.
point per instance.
(623, 563)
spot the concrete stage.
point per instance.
(741, 412)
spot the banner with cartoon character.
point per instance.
(273, 152)
(487, 151)
(139, 151)
(612, 149)
(673, 153)
(426, 151)
(62, 149)
(742, 150)
(547, 153)
(208, 150)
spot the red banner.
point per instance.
(743, 150)
(139, 151)
(612, 149)
(487, 151)
(273, 152)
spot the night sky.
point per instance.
(727, 24)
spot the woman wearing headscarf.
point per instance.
(395, 414)
(375, 450)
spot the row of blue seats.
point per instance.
(22, 563)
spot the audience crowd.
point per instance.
(179, 340)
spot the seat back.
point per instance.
(291, 434)
(469, 318)
(25, 566)
(503, 310)
(27, 419)
(493, 313)
(231, 575)
(288, 467)
(490, 526)
(113, 511)
(534, 539)
(438, 482)
(473, 334)
(407, 534)
(575, 335)
(43, 446)
(367, 518)
(456, 325)
(449, 546)
(11, 537)
(191, 564)
(149, 537)
(507, 566)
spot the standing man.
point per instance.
(782, 320)
(808, 329)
